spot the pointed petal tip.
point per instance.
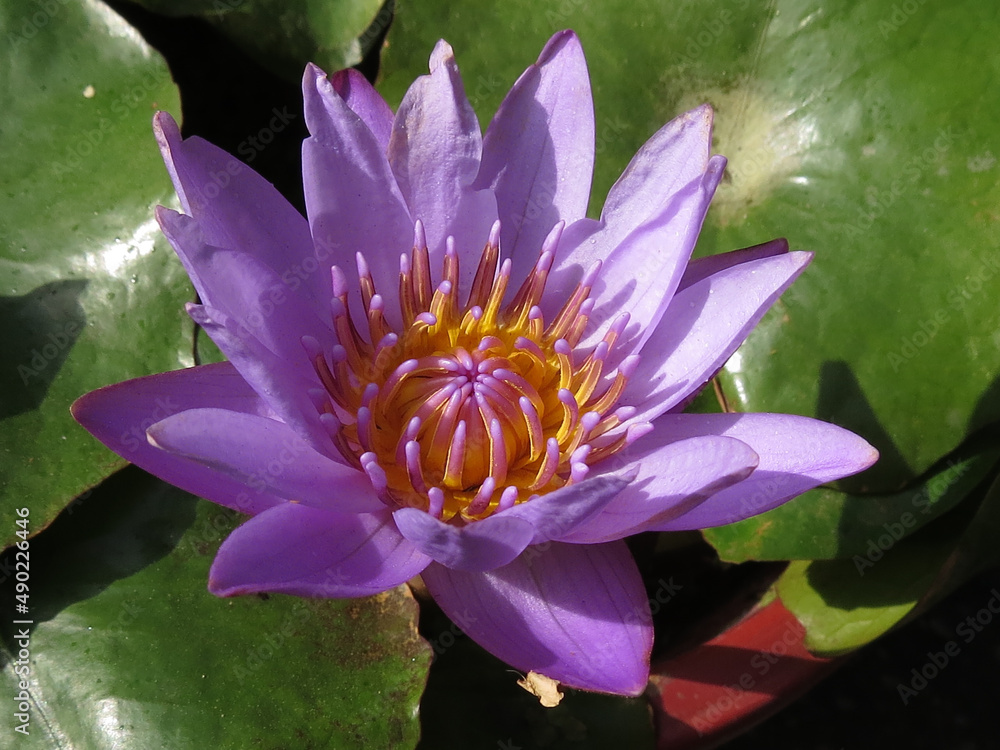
(223, 590)
(631, 684)
(558, 43)
(313, 72)
(164, 121)
(804, 257)
(442, 53)
(703, 112)
(871, 456)
(167, 134)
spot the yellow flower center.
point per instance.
(472, 407)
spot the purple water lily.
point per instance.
(449, 371)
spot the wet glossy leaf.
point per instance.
(130, 651)
(825, 524)
(91, 294)
(847, 603)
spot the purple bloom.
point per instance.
(447, 370)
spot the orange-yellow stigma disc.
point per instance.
(471, 407)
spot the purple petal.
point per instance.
(434, 151)
(673, 161)
(557, 514)
(675, 156)
(246, 290)
(575, 613)
(538, 153)
(235, 207)
(702, 327)
(352, 200)
(702, 268)
(796, 454)
(643, 272)
(482, 545)
(365, 102)
(673, 478)
(265, 453)
(296, 549)
(120, 414)
(283, 383)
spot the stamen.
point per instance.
(443, 302)
(407, 297)
(487, 343)
(547, 469)
(467, 398)
(507, 498)
(413, 470)
(486, 271)
(456, 457)
(421, 276)
(376, 474)
(445, 428)
(450, 271)
(591, 372)
(576, 331)
(496, 295)
(614, 391)
(534, 427)
(571, 309)
(364, 426)
(498, 451)
(482, 499)
(529, 346)
(435, 505)
(367, 282)
(564, 354)
(571, 412)
(391, 387)
(377, 326)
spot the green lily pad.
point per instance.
(824, 524)
(90, 293)
(862, 132)
(846, 603)
(283, 35)
(129, 650)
